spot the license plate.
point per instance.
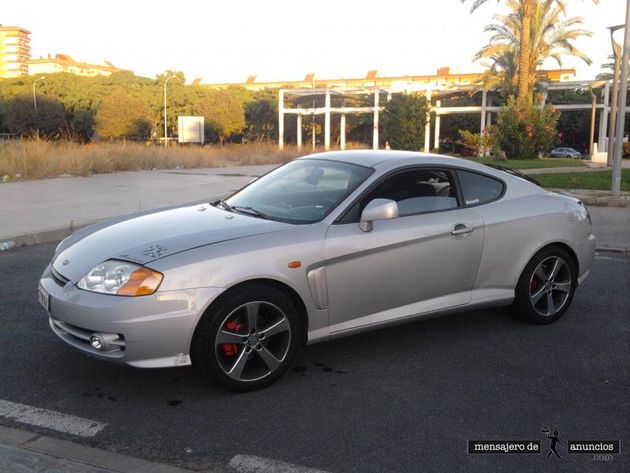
(44, 298)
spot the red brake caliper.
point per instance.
(229, 349)
(533, 285)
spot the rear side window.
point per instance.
(479, 188)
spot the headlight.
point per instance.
(121, 278)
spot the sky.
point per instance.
(229, 40)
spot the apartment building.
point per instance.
(65, 63)
(15, 51)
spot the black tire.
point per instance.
(530, 283)
(210, 356)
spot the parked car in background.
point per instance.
(564, 152)
(323, 247)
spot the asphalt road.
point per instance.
(403, 399)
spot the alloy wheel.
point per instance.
(253, 341)
(550, 286)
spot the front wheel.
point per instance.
(249, 339)
(546, 287)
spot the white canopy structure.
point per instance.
(300, 97)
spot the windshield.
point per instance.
(303, 191)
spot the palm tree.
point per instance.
(524, 39)
(502, 72)
(607, 69)
(552, 36)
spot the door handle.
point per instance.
(462, 229)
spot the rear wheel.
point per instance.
(546, 287)
(249, 339)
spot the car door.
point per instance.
(424, 260)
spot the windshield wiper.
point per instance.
(223, 204)
(514, 172)
(252, 211)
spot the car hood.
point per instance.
(146, 237)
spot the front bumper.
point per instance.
(585, 249)
(153, 331)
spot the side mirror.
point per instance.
(378, 209)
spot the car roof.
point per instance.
(378, 158)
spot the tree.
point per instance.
(524, 43)
(22, 117)
(608, 69)
(123, 116)
(223, 115)
(552, 36)
(503, 72)
(404, 119)
(80, 96)
(261, 115)
(524, 40)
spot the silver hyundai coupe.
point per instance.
(325, 246)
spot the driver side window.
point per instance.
(416, 191)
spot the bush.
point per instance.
(22, 117)
(404, 119)
(82, 125)
(475, 144)
(626, 150)
(522, 131)
(39, 159)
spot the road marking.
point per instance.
(254, 464)
(48, 419)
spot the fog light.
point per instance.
(96, 342)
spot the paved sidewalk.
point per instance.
(28, 452)
(590, 167)
(562, 169)
(611, 227)
(50, 208)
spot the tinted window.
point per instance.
(479, 188)
(415, 192)
(303, 191)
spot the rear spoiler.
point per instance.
(514, 172)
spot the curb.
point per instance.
(596, 198)
(45, 236)
(66, 450)
(618, 202)
(623, 251)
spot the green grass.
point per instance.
(597, 180)
(533, 163)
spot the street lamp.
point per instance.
(621, 113)
(35, 96)
(165, 115)
(615, 92)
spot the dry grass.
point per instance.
(22, 160)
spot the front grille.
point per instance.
(59, 279)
